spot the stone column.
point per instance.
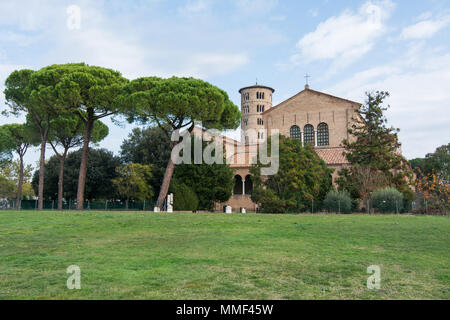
(243, 187)
(315, 138)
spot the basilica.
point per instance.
(311, 116)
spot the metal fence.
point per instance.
(338, 207)
(420, 206)
(106, 205)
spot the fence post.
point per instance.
(396, 206)
(106, 205)
(339, 206)
(35, 204)
(426, 206)
(143, 208)
(312, 206)
(53, 205)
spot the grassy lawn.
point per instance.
(217, 256)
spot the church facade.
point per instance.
(310, 116)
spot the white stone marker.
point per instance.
(170, 203)
(243, 210)
(155, 209)
(227, 209)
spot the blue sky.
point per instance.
(348, 47)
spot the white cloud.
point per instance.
(160, 47)
(419, 97)
(425, 29)
(255, 7)
(194, 7)
(313, 12)
(204, 65)
(424, 16)
(277, 18)
(29, 15)
(346, 37)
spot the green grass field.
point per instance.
(216, 256)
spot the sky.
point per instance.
(347, 47)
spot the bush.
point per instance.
(184, 198)
(387, 200)
(338, 202)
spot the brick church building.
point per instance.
(310, 116)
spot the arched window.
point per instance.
(295, 133)
(248, 184)
(308, 133)
(237, 185)
(322, 135)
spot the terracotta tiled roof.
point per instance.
(332, 155)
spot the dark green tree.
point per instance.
(7, 145)
(211, 182)
(32, 92)
(102, 164)
(302, 178)
(374, 153)
(22, 137)
(178, 103)
(417, 164)
(148, 146)
(132, 181)
(66, 132)
(151, 145)
(185, 199)
(438, 162)
(88, 92)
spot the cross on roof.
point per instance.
(307, 76)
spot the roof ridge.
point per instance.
(314, 91)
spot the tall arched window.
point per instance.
(237, 185)
(322, 135)
(295, 133)
(308, 133)
(248, 185)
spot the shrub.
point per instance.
(338, 202)
(184, 198)
(387, 200)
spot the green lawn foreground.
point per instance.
(136, 255)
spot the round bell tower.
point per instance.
(254, 101)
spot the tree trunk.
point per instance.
(62, 159)
(166, 183)
(84, 160)
(44, 134)
(19, 186)
(168, 175)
